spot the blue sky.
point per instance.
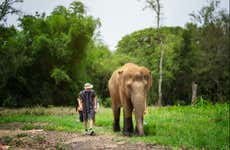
(121, 17)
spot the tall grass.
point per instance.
(200, 127)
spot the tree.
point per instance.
(144, 48)
(203, 57)
(7, 8)
(77, 7)
(156, 6)
(42, 62)
(213, 40)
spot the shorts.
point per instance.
(88, 115)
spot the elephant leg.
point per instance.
(116, 124)
(128, 122)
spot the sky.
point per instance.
(122, 17)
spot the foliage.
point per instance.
(40, 64)
(200, 102)
(212, 40)
(59, 75)
(48, 60)
(106, 102)
(197, 53)
(143, 46)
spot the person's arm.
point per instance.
(95, 103)
(80, 108)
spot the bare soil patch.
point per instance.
(15, 138)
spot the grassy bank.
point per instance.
(176, 126)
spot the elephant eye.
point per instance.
(146, 77)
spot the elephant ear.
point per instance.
(147, 76)
(120, 77)
(120, 71)
(150, 80)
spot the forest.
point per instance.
(46, 59)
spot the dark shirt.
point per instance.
(87, 98)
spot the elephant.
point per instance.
(128, 87)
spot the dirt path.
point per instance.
(40, 139)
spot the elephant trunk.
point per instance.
(139, 101)
(139, 126)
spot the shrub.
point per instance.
(200, 102)
(9, 102)
(39, 111)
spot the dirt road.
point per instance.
(15, 138)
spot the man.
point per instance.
(89, 103)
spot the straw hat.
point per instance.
(88, 86)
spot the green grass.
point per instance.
(205, 127)
(176, 126)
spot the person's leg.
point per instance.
(94, 117)
(85, 118)
(91, 123)
(86, 124)
(92, 127)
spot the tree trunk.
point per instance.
(194, 92)
(161, 56)
(158, 13)
(161, 76)
(156, 7)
